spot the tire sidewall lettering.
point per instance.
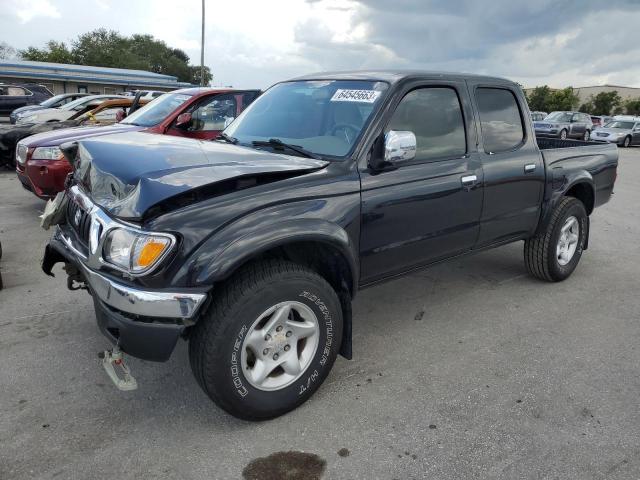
(326, 324)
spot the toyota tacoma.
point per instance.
(252, 247)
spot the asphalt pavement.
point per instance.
(470, 369)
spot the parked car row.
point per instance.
(56, 101)
(621, 130)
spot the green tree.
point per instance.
(565, 99)
(538, 99)
(56, 52)
(632, 107)
(107, 48)
(605, 102)
(195, 75)
(586, 107)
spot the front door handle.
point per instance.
(469, 180)
(530, 167)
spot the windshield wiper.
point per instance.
(227, 138)
(276, 142)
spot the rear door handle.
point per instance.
(469, 180)
(530, 167)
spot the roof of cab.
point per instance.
(393, 76)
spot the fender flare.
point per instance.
(241, 249)
(559, 186)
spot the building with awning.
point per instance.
(64, 78)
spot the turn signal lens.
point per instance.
(134, 252)
(147, 251)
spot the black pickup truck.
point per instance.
(253, 246)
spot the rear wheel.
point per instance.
(563, 134)
(554, 254)
(268, 341)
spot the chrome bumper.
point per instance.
(123, 298)
(141, 302)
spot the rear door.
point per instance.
(578, 125)
(511, 162)
(429, 208)
(636, 134)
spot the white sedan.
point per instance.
(65, 112)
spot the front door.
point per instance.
(429, 208)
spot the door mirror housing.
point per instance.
(183, 120)
(399, 147)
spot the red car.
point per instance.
(200, 113)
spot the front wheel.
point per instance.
(627, 142)
(554, 254)
(268, 340)
(563, 134)
(586, 136)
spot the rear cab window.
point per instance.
(500, 119)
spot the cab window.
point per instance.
(434, 115)
(500, 119)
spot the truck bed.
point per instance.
(565, 160)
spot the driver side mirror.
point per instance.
(399, 147)
(184, 120)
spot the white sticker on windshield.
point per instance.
(367, 96)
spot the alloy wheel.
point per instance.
(280, 345)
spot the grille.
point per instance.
(79, 220)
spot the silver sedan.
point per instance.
(623, 132)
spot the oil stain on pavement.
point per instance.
(285, 466)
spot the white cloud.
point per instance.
(27, 10)
(254, 43)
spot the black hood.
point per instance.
(129, 173)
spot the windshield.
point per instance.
(51, 102)
(324, 117)
(77, 102)
(559, 117)
(624, 125)
(157, 110)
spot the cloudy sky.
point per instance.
(254, 43)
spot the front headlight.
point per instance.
(47, 153)
(21, 153)
(133, 251)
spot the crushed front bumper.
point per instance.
(145, 323)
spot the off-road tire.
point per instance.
(540, 251)
(216, 339)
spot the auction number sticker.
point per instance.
(367, 96)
